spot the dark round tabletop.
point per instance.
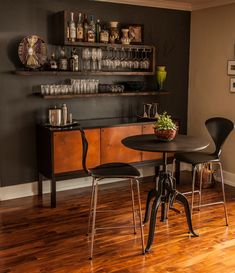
(149, 143)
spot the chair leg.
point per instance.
(223, 191)
(133, 206)
(193, 188)
(91, 205)
(94, 218)
(140, 216)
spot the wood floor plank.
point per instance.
(37, 239)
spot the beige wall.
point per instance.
(212, 45)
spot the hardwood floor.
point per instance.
(35, 238)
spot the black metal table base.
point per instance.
(165, 195)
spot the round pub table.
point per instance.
(165, 191)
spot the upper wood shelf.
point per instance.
(83, 73)
(133, 93)
(86, 44)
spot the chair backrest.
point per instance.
(84, 149)
(219, 129)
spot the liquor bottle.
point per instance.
(63, 61)
(85, 28)
(72, 28)
(80, 28)
(104, 35)
(67, 32)
(97, 31)
(73, 61)
(53, 63)
(91, 31)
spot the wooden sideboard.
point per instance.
(60, 151)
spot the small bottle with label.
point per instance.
(104, 35)
(74, 60)
(53, 63)
(63, 61)
(80, 29)
(72, 28)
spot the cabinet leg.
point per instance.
(40, 180)
(53, 193)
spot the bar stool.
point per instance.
(219, 129)
(105, 171)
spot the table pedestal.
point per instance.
(165, 195)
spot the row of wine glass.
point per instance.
(97, 59)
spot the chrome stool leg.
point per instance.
(91, 205)
(140, 217)
(193, 188)
(133, 206)
(94, 218)
(223, 191)
(200, 187)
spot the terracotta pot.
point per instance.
(165, 135)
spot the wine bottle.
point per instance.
(72, 28)
(80, 28)
(91, 31)
(97, 31)
(85, 28)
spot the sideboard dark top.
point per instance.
(100, 123)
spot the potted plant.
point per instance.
(164, 128)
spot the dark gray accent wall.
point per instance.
(168, 30)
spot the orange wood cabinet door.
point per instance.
(112, 150)
(148, 129)
(68, 150)
(93, 154)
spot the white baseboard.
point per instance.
(30, 189)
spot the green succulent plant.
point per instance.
(165, 122)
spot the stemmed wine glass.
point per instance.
(146, 60)
(135, 60)
(86, 56)
(94, 58)
(99, 56)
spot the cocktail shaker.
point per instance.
(64, 114)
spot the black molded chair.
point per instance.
(219, 129)
(104, 171)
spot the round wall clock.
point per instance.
(32, 52)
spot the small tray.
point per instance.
(74, 123)
(147, 118)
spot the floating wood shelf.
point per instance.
(79, 73)
(72, 96)
(86, 44)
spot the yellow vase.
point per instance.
(161, 76)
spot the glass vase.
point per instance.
(161, 76)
